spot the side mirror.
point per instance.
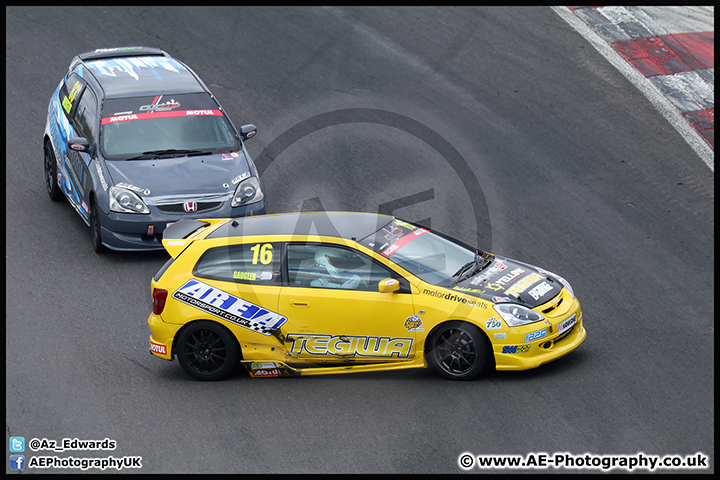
(248, 131)
(79, 144)
(389, 285)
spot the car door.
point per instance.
(85, 122)
(335, 313)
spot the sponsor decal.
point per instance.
(509, 277)
(523, 284)
(342, 345)
(414, 323)
(275, 372)
(469, 290)
(237, 275)
(260, 365)
(490, 271)
(402, 241)
(540, 290)
(455, 298)
(101, 176)
(158, 348)
(135, 189)
(500, 336)
(567, 324)
(176, 243)
(493, 324)
(532, 336)
(156, 106)
(516, 348)
(229, 307)
(239, 178)
(501, 299)
(160, 114)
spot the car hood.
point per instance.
(186, 176)
(506, 280)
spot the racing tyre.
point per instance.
(95, 227)
(207, 351)
(459, 351)
(51, 183)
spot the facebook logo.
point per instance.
(17, 444)
(17, 462)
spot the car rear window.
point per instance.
(255, 263)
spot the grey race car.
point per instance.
(136, 141)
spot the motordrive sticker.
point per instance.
(229, 307)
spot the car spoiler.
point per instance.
(121, 52)
(181, 234)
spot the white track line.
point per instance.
(663, 105)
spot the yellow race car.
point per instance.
(334, 292)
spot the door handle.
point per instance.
(299, 303)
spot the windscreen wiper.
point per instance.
(172, 152)
(473, 267)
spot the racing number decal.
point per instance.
(67, 102)
(264, 253)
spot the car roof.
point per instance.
(348, 225)
(138, 71)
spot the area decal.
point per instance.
(229, 307)
(345, 345)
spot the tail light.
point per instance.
(159, 297)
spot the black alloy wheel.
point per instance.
(459, 351)
(95, 227)
(50, 165)
(207, 351)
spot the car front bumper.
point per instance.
(541, 342)
(138, 232)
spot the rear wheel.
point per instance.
(51, 183)
(207, 351)
(459, 351)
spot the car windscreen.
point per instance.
(428, 256)
(132, 127)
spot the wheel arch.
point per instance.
(219, 324)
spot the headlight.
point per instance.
(248, 191)
(126, 201)
(516, 315)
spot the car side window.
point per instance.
(253, 263)
(332, 266)
(87, 115)
(70, 93)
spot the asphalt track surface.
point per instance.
(502, 126)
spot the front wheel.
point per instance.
(207, 351)
(459, 351)
(95, 234)
(50, 167)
